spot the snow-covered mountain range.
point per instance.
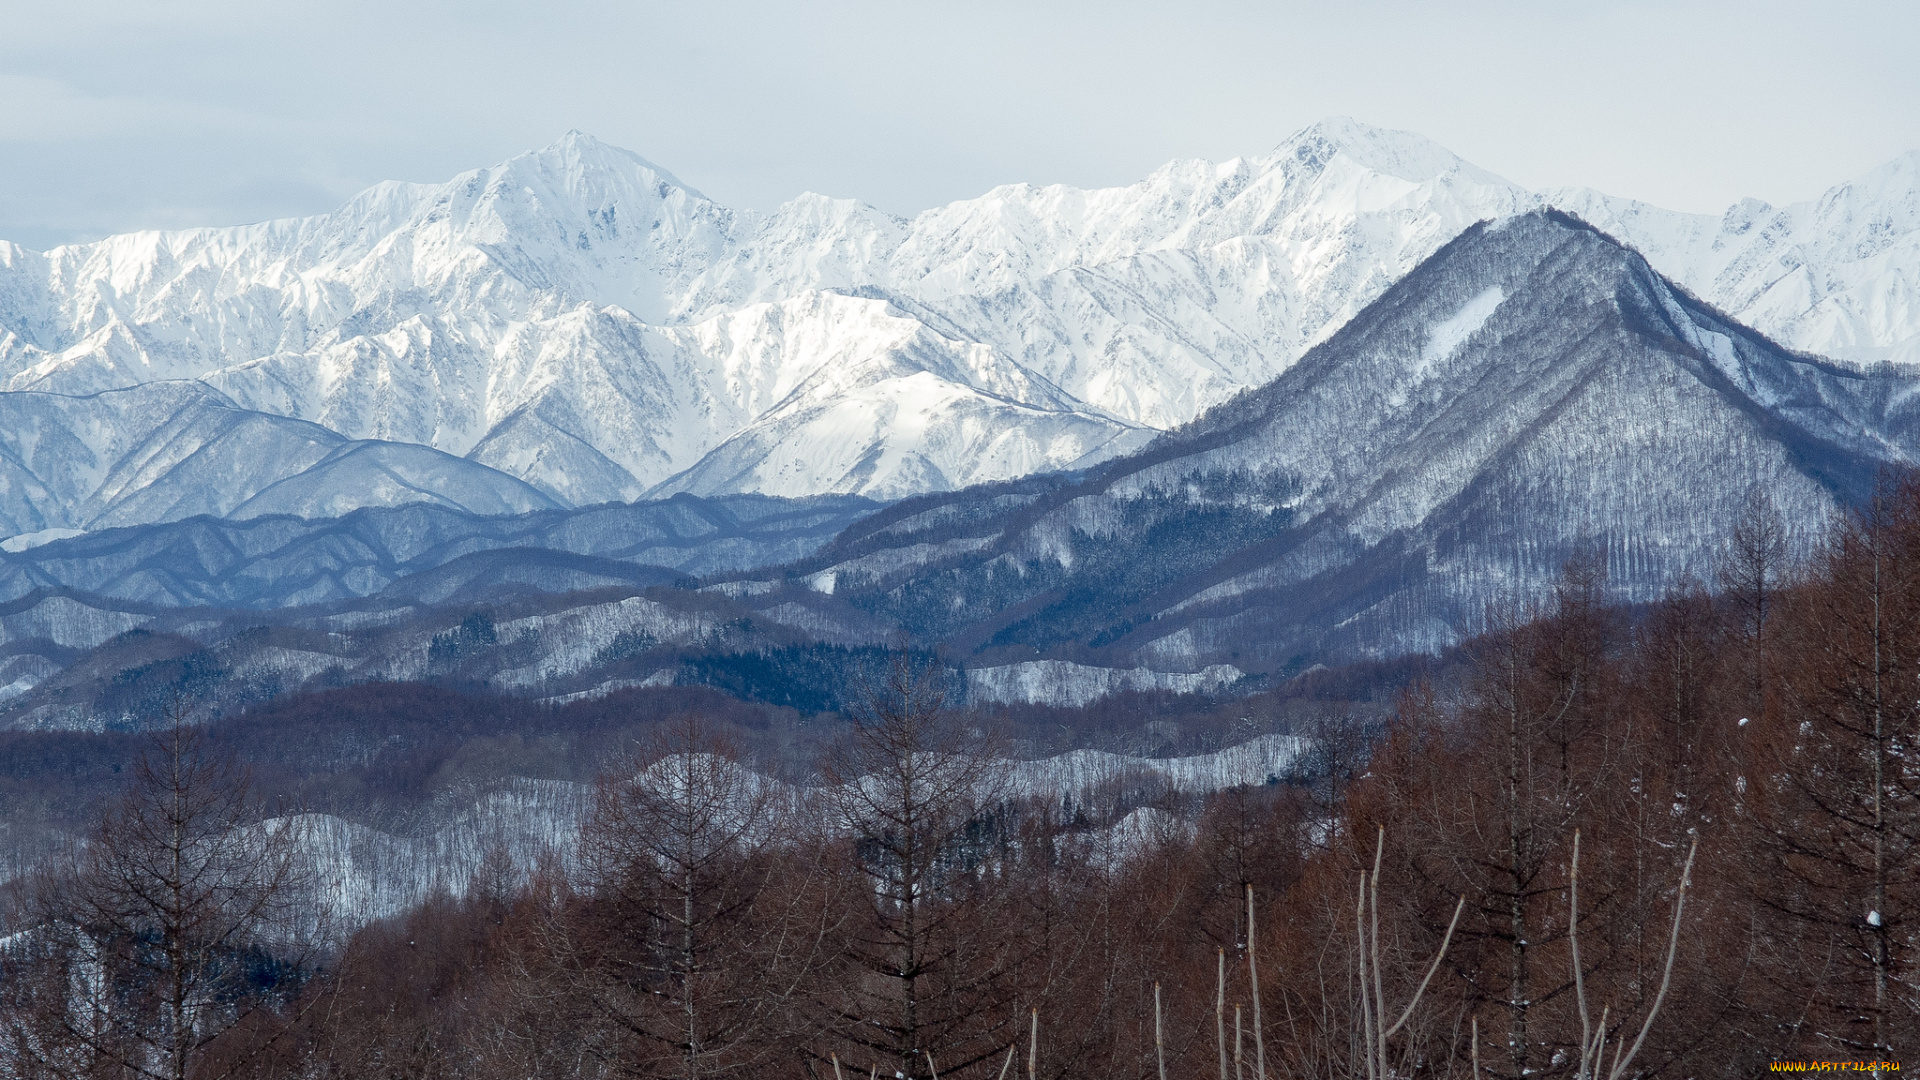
(577, 326)
(1532, 391)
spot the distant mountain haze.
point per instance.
(575, 327)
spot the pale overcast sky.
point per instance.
(165, 113)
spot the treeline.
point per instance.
(1735, 766)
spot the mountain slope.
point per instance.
(1533, 390)
(163, 451)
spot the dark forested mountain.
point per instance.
(1531, 391)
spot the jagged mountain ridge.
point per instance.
(1533, 390)
(580, 320)
(500, 318)
(1838, 276)
(162, 451)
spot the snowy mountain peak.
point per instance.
(1899, 177)
(1886, 198)
(1403, 154)
(584, 163)
(1742, 215)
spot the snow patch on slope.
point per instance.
(1447, 336)
(367, 874)
(1258, 761)
(24, 541)
(1060, 682)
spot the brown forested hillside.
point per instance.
(1737, 763)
